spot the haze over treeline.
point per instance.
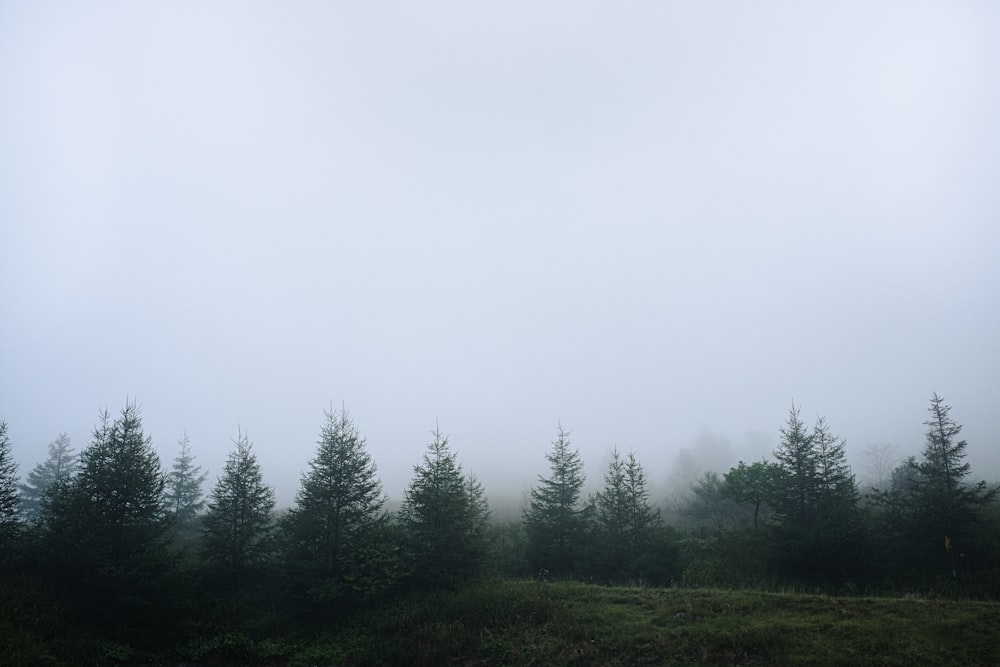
(658, 225)
(673, 472)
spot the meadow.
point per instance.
(524, 622)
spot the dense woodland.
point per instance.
(139, 555)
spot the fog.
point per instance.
(658, 224)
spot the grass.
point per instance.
(509, 622)
(534, 623)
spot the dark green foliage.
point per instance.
(625, 522)
(239, 523)
(835, 487)
(335, 537)
(10, 516)
(710, 509)
(183, 492)
(105, 528)
(946, 509)
(444, 518)
(555, 521)
(795, 491)
(112, 512)
(817, 535)
(58, 466)
(752, 485)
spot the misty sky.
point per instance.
(657, 222)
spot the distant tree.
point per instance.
(10, 519)
(58, 466)
(879, 460)
(751, 485)
(335, 535)
(444, 517)
(947, 508)
(710, 506)
(555, 520)
(905, 476)
(238, 525)
(183, 491)
(106, 526)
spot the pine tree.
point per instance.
(835, 487)
(57, 467)
(238, 524)
(947, 508)
(555, 521)
(113, 508)
(183, 492)
(10, 519)
(796, 454)
(611, 506)
(816, 502)
(105, 528)
(444, 517)
(623, 515)
(333, 536)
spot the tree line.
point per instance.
(129, 544)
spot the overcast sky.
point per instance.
(658, 223)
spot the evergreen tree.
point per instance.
(105, 527)
(183, 492)
(946, 508)
(624, 516)
(835, 487)
(10, 519)
(796, 487)
(335, 535)
(642, 516)
(555, 521)
(238, 524)
(815, 500)
(113, 509)
(58, 466)
(444, 517)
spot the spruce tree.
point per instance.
(335, 536)
(555, 521)
(947, 509)
(815, 501)
(835, 487)
(59, 466)
(444, 518)
(796, 488)
(183, 492)
(237, 528)
(10, 519)
(611, 507)
(624, 516)
(113, 509)
(105, 528)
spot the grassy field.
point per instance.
(535, 623)
(504, 622)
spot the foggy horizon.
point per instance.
(657, 225)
